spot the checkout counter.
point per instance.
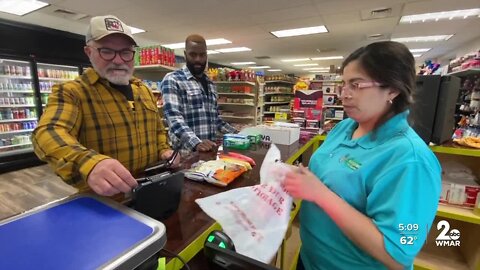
(188, 228)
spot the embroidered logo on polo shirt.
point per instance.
(350, 162)
(113, 25)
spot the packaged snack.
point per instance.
(217, 172)
(236, 141)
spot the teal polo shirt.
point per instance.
(389, 175)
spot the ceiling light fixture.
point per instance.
(320, 71)
(417, 55)
(21, 7)
(443, 15)
(420, 50)
(242, 63)
(423, 38)
(327, 58)
(300, 31)
(296, 60)
(305, 65)
(136, 30)
(210, 42)
(274, 70)
(235, 49)
(259, 67)
(212, 52)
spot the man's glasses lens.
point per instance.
(109, 54)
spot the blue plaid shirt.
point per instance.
(191, 113)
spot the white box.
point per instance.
(275, 134)
(339, 114)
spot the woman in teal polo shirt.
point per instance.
(371, 191)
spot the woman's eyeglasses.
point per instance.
(108, 54)
(355, 86)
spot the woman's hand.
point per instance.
(301, 183)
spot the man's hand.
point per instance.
(110, 177)
(205, 146)
(167, 154)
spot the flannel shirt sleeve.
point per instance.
(55, 138)
(173, 110)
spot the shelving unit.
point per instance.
(467, 256)
(17, 106)
(232, 105)
(466, 72)
(277, 94)
(332, 107)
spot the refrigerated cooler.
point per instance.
(18, 109)
(24, 89)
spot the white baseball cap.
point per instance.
(102, 26)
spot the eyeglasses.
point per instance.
(108, 54)
(355, 86)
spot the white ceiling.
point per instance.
(248, 23)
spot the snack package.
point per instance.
(218, 172)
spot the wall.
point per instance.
(25, 40)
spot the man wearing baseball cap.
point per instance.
(102, 128)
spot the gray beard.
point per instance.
(119, 80)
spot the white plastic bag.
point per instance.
(255, 217)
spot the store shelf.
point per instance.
(280, 81)
(16, 91)
(15, 77)
(237, 117)
(17, 120)
(237, 104)
(16, 131)
(333, 118)
(276, 102)
(463, 151)
(277, 93)
(234, 82)
(322, 81)
(466, 72)
(269, 112)
(17, 106)
(447, 260)
(155, 68)
(14, 145)
(457, 213)
(236, 94)
(54, 79)
(332, 106)
(17, 151)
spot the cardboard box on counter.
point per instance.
(278, 133)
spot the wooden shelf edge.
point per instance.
(457, 213)
(455, 151)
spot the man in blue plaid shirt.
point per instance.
(190, 102)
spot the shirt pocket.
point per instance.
(195, 99)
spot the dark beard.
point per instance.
(196, 71)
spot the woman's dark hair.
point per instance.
(392, 65)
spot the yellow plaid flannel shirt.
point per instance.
(86, 121)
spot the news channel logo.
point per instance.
(447, 237)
